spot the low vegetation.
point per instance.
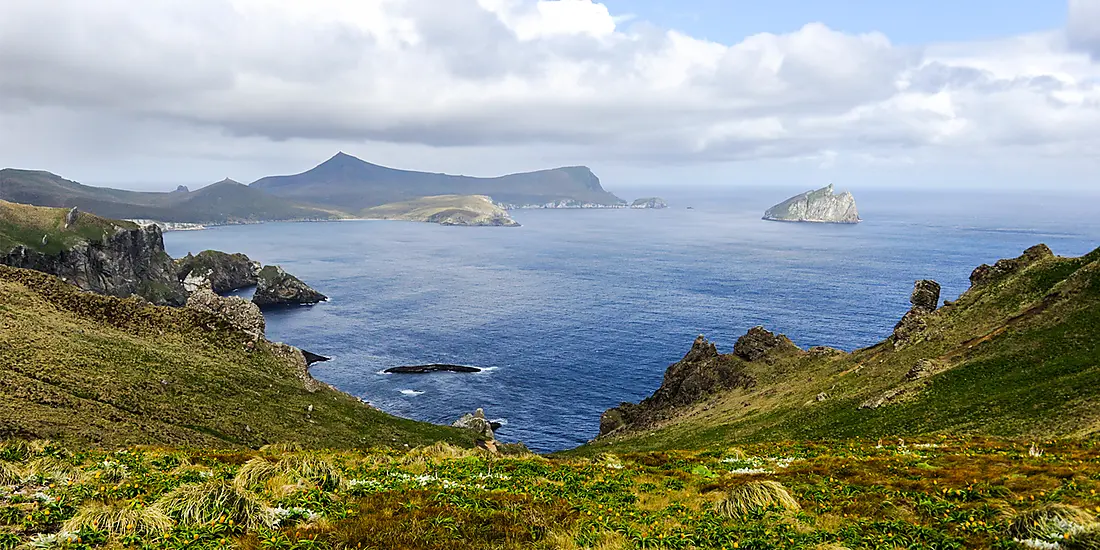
(939, 493)
(444, 209)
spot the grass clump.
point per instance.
(119, 518)
(48, 468)
(756, 496)
(204, 503)
(1051, 523)
(314, 468)
(9, 474)
(1088, 539)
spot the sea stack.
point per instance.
(821, 206)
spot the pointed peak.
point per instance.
(228, 181)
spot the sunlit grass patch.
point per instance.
(119, 518)
(756, 496)
(1051, 523)
(203, 503)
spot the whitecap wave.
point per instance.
(501, 421)
(411, 392)
(488, 369)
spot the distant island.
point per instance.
(649, 202)
(341, 187)
(820, 206)
(466, 210)
(348, 183)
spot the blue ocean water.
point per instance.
(578, 310)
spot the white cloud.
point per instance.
(561, 75)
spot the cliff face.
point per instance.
(820, 206)
(221, 271)
(127, 262)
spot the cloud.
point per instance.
(1083, 28)
(525, 73)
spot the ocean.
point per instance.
(579, 310)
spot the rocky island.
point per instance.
(275, 288)
(649, 202)
(467, 210)
(821, 206)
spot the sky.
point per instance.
(862, 93)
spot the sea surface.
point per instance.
(578, 310)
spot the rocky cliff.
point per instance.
(821, 206)
(92, 253)
(219, 271)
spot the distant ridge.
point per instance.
(224, 202)
(348, 183)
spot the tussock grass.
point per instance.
(16, 450)
(283, 447)
(442, 451)
(1051, 522)
(9, 474)
(202, 503)
(314, 468)
(119, 518)
(756, 496)
(1089, 539)
(51, 469)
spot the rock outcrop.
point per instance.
(276, 287)
(476, 423)
(701, 372)
(924, 299)
(758, 343)
(985, 273)
(218, 271)
(240, 313)
(820, 206)
(649, 202)
(126, 262)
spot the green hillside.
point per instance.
(27, 225)
(108, 372)
(1017, 355)
(224, 202)
(445, 210)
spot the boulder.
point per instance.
(276, 287)
(758, 342)
(239, 312)
(986, 273)
(923, 369)
(477, 423)
(71, 216)
(926, 295)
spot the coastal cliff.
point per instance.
(95, 254)
(820, 206)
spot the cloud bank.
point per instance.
(211, 75)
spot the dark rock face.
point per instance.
(312, 358)
(702, 371)
(130, 262)
(182, 189)
(758, 342)
(239, 312)
(926, 295)
(925, 299)
(220, 271)
(424, 369)
(986, 273)
(276, 287)
(477, 423)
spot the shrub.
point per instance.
(1049, 523)
(202, 503)
(756, 496)
(119, 518)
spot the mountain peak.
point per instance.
(228, 181)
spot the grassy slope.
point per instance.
(1024, 361)
(942, 494)
(26, 225)
(223, 202)
(109, 372)
(422, 209)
